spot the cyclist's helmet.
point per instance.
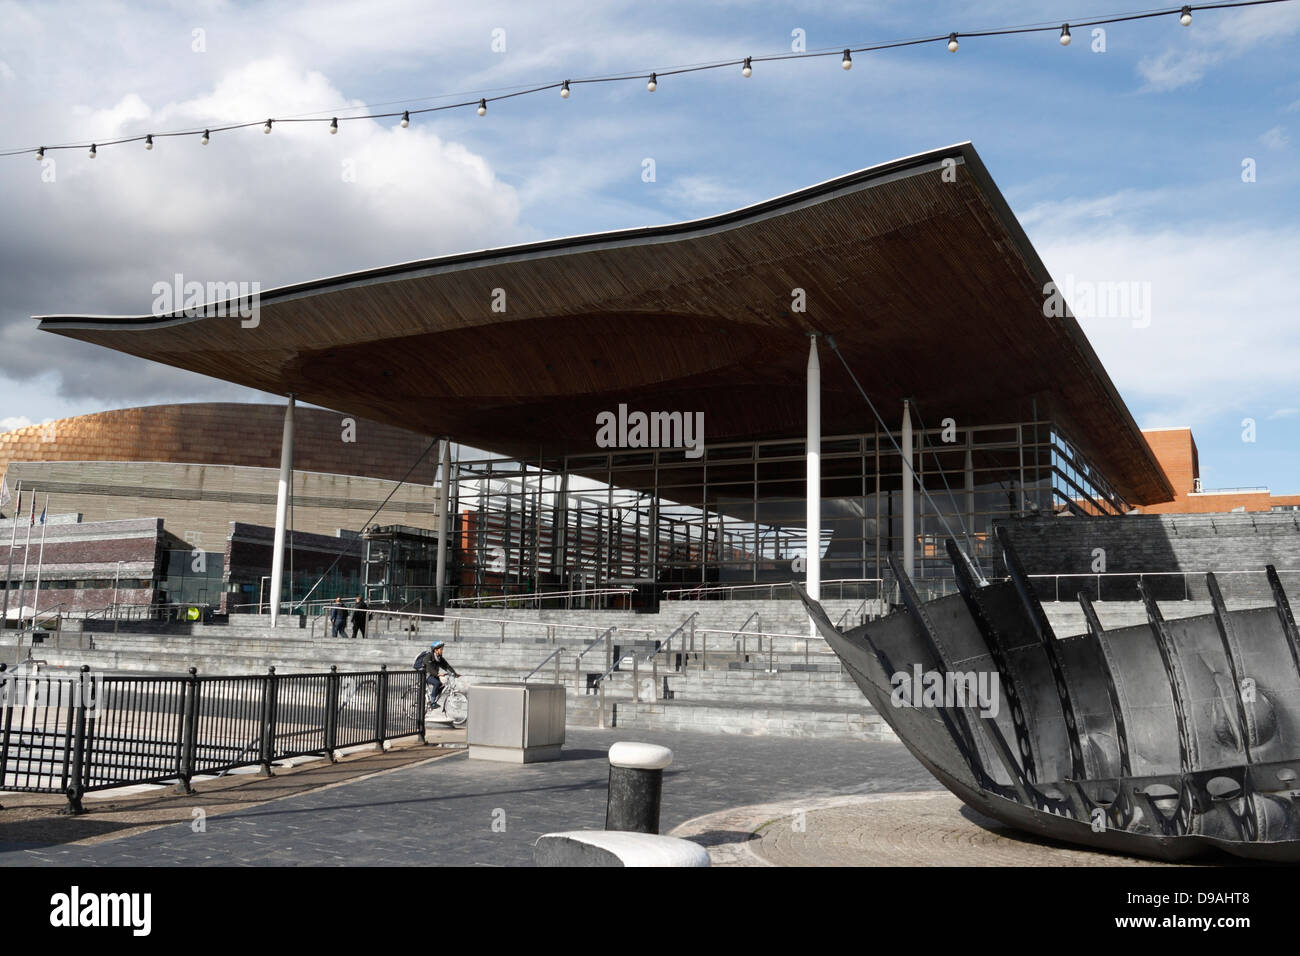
(437, 644)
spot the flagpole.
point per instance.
(40, 561)
(13, 538)
(27, 549)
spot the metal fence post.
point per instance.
(636, 679)
(77, 780)
(602, 705)
(8, 700)
(609, 649)
(424, 705)
(558, 655)
(704, 650)
(269, 690)
(381, 708)
(189, 732)
(332, 712)
(503, 632)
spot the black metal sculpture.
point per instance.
(1166, 739)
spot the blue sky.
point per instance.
(1123, 165)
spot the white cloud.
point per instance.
(1222, 332)
(15, 421)
(704, 195)
(295, 205)
(1228, 35)
(1174, 69)
(1275, 138)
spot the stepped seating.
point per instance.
(773, 682)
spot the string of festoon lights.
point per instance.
(951, 39)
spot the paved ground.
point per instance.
(35, 820)
(890, 829)
(461, 812)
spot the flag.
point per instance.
(43, 513)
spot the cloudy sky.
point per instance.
(1166, 162)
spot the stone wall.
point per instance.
(1132, 544)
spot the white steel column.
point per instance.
(40, 561)
(281, 509)
(909, 506)
(812, 563)
(27, 550)
(444, 499)
(13, 540)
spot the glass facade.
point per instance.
(190, 577)
(659, 520)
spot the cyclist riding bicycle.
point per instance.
(433, 663)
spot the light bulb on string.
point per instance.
(1065, 35)
(206, 137)
(40, 154)
(92, 150)
(564, 89)
(747, 69)
(1185, 16)
(482, 107)
(952, 43)
(406, 118)
(847, 62)
(148, 141)
(267, 128)
(653, 84)
(334, 125)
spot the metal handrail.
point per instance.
(46, 612)
(286, 606)
(859, 612)
(541, 596)
(653, 658)
(723, 630)
(740, 630)
(711, 589)
(603, 634)
(505, 620)
(91, 613)
(1140, 575)
(663, 645)
(554, 653)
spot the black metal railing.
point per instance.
(81, 732)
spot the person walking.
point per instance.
(338, 619)
(359, 617)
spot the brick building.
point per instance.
(1175, 450)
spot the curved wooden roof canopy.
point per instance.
(929, 286)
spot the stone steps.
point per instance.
(731, 717)
(1066, 617)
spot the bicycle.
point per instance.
(452, 701)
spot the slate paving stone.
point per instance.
(462, 812)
